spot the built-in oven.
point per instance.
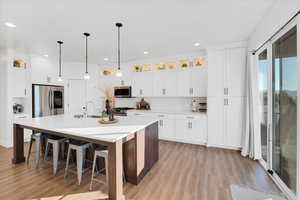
(122, 92)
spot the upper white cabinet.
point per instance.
(19, 76)
(164, 83)
(192, 82)
(227, 72)
(236, 72)
(142, 84)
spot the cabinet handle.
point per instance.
(192, 89)
(141, 92)
(163, 91)
(191, 124)
(190, 117)
(25, 92)
(162, 123)
(225, 102)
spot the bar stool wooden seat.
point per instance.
(102, 154)
(37, 138)
(80, 149)
(58, 146)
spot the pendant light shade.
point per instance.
(119, 72)
(86, 74)
(59, 78)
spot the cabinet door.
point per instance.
(182, 129)
(215, 121)
(199, 129)
(236, 72)
(170, 80)
(199, 82)
(20, 83)
(166, 128)
(158, 83)
(183, 83)
(235, 111)
(146, 81)
(216, 68)
(142, 84)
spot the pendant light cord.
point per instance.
(119, 53)
(59, 61)
(86, 54)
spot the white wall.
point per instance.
(277, 16)
(3, 97)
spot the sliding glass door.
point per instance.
(263, 97)
(284, 108)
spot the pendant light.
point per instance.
(59, 78)
(86, 74)
(119, 72)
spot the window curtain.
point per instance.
(251, 144)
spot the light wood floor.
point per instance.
(184, 172)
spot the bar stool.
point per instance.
(80, 158)
(101, 154)
(56, 144)
(37, 137)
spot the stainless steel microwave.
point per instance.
(122, 92)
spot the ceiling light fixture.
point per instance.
(46, 55)
(86, 74)
(119, 72)
(105, 59)
(146, 52)
(197, 44)
(59, 78)
(10, 25)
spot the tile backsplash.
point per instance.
(160, 104)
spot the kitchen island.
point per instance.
(132, 141)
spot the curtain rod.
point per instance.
(268, 40)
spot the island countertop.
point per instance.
(89, 127)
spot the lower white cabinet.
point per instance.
(191, 129)
(166, 125)
(226, 121)
(178, 127)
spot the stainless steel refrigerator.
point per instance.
(47, 100)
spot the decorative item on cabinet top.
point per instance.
(19, 63)
(171, 65)
(107, 72)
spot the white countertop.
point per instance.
(89, 127)
(171, 112)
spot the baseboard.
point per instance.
(224, 147)
(183, 141)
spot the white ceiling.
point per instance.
(162, 27)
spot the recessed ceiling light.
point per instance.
(46, 55)
(106, 59)
(197, 44)
(11, 25)
(146, 52)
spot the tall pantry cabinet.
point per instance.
(226, 96)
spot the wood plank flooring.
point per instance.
(184, 172)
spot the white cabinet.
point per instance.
(236, 72)
(235, 124)
(226, 97)
(216, 73)
(166, 125)
(142, 84)
(227, 72)
(19, 77)
(192, 82)
(215, 121)
(27, 132)
(164, 83)
(191, 128)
